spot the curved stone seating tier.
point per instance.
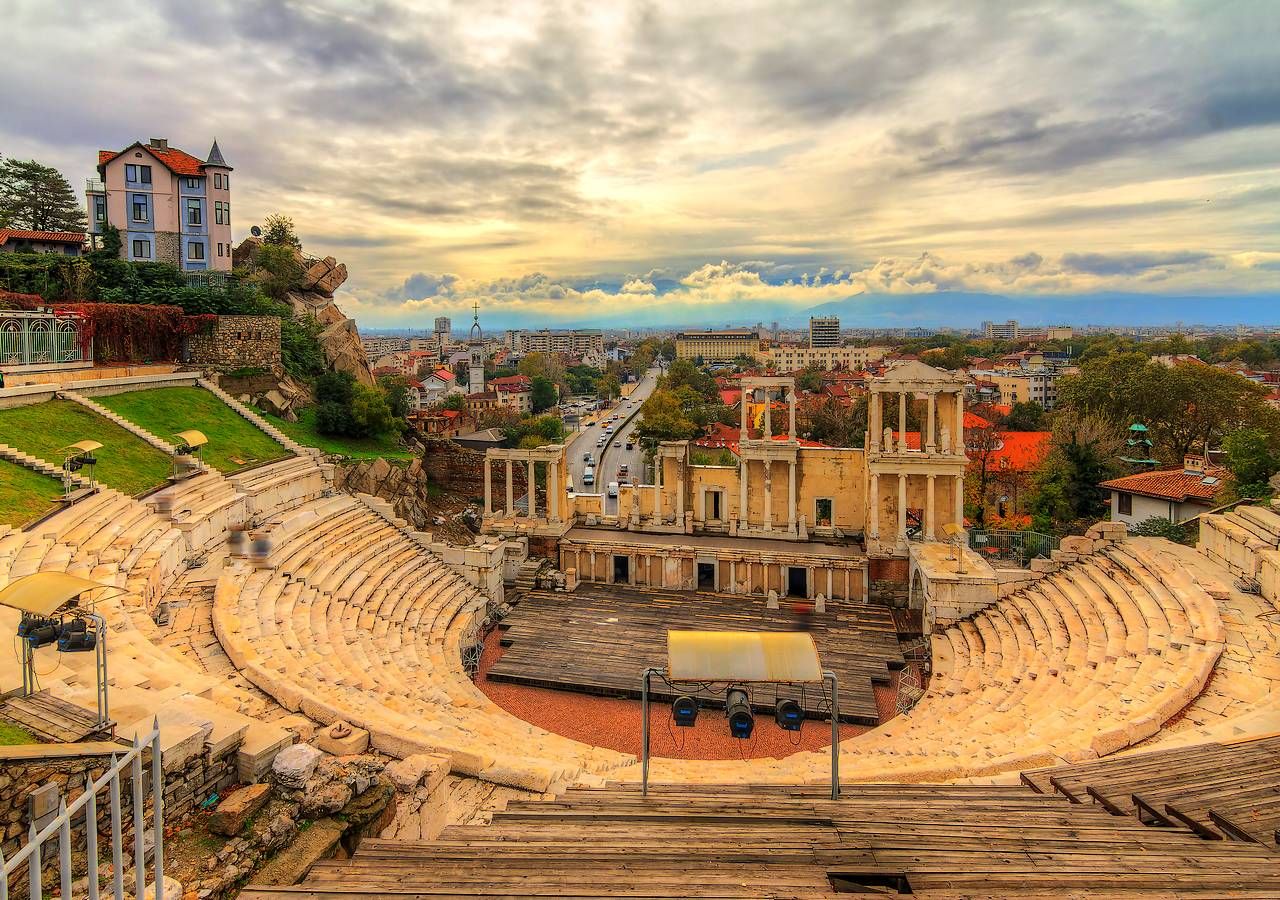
(352, 620)
(203, 508)
(1236, 539)
(281, 485)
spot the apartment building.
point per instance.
(576, 342)
(824, 331)
(793, 359)
(168, 205)
(1014, 386)
(717, 346)
(1012, 330)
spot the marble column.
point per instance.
(791, 403)
(742, 403)
(928, 509)
(768, 419)
(593, 567)
(791, 496)
(874, 419)
(874, 529)
(960, 500)
(657, 486)
(958, 431)
(733, 577)
(830, 590)
(902, 509)
(902, 421)
(768, 495)
(930, 443)
(743, 520)
(680, 492)
(533, 490)
(511, 491)
(488, 488)
(554, 488)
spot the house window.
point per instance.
(141, 249)
(99, 209)
(217, 212)
(823, 507)
(137, 174)
(1125, 504)
(140, 208)
(217, 180)
(195, 250)
(193, 183)
(226, 182)
(194, 213)
(226, 214)
(219, 248)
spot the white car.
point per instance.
(613, 488)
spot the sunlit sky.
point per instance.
(687, 161)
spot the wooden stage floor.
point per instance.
(600, 638)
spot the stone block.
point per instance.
(420, 768)
(234, 812)
(772, 600)
(342, 739)
(1039, 564)
(1076, 544)
(294, 765)
(180, 740)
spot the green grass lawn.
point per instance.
(233, 441)
(25, 495)
(12, 735)
(304, 432)
(125, 462)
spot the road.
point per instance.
(609, 457)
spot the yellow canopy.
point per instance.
(193, 438)
(742, 656)
(84, 446)
(44, 593)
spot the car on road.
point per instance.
(631, 445)
(600, 442)
(586, 457)
(613, 488)
(589, 476)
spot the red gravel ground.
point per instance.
(615, 723)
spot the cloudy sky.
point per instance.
(687, 161)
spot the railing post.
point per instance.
(91, 836)
(4, 879)
(117, 834)
(157, 809)
(139, 819)
(64, 849)
(33, 862)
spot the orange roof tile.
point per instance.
(177, 161)
(48, 237)
(1170, 484)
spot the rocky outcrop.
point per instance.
(318, 281)
(280, 396)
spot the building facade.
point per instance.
(793, 359)
(1020, 387)
(168, 205)
(824, 331)
(575, 342)
(1011, 330)
(717, 346)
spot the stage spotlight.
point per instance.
(685, 711)
(788, 715)
(741, 721)
(76, 637)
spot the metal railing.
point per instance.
(32, 338)
(1018, 547)
(95, 186)
(60, 825)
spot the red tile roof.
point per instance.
(730, 396)
(444, 374)
(177, 161)
(1021, 451)
(973, 420)
(1171, 484)
(48, 237)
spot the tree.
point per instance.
(370, 414)
(278, 231)
(1156, 526)
(36, 197)
(1251, 459)
(810, 380)
(683, 372)
(981, 445)
(455, 402)
(544, 393)
(277, 270)
(1025, 416)
(396, 388)
(663, 418)
(544, 365)
(608, 386)
(831, 422)
(1066, 495)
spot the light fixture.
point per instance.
(738, 708)
(788, 715)
(684, 711)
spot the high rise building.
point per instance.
(824, 331)
(443, 325)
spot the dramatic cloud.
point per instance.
(570, 159)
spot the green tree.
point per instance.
(683, 373)
(608, 387)
(396, 390)
(663, 418)
(1065, 495)
(300, 349)
(1251, 459)
(544, 393)
(277, 270)
(1025, 416)
(831, 422)
(278, 231)
(546, 366)
(456, 402)
(810, 380)
(370, 414)
(1156, 526)
(36, 197)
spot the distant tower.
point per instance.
(475, 367)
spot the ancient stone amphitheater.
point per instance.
(1134, 645)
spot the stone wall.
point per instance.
(238, 342)
(462, 470)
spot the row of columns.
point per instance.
(732, 587)
(743, 472)
(553, 488)
(768, 418)
(954, 443)
(930, 517)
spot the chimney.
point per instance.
(159, 143)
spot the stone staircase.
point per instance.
(131, 427)
(26, 460)
(386, 510)
(528, 573)
(257, 421)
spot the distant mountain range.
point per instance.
(944, 309)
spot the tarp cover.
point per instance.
(45, 592)
(742, 656)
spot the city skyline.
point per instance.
(580, 163)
